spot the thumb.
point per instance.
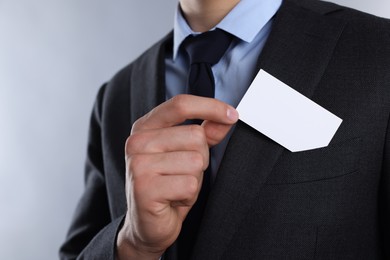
(215, 132)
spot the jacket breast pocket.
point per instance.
(333, 161)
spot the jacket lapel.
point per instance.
(148, 79)
(297, 52)
(140, 88)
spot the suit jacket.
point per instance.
(267, 202)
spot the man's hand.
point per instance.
(164, 170)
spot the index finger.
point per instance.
(183, 107)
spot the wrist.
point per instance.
(129, 249)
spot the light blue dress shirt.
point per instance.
(250, 22)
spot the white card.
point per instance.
(286, 116)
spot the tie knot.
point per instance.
(207, 47)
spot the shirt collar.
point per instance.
(244, 21)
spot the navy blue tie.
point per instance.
(204, 51)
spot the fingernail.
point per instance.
(232, 114)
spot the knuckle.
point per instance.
(192, 186)
(220, 108)
(179, 104)
(179, 99)
(136, 187)
(133, 143)
(140, 187)
(197, 133)
(140, 183)
(197, 161)
(135, 166)
(127, 147)
(137, 124)
(138, 191)
(130, 144)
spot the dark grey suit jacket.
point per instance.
(268, 203)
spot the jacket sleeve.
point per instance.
(92, 233)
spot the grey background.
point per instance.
(53, 57)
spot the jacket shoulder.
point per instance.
(333, 9)
(153, 52)
(121, 83)
(362, 22)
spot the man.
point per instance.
(265, 202)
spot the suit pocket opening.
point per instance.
(335, 160)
